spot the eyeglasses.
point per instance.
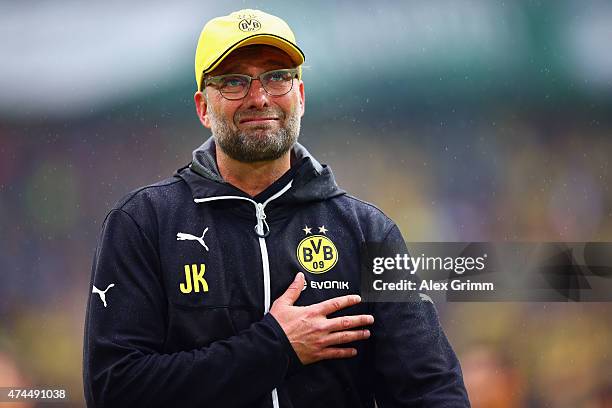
(236, 86)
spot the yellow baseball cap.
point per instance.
(222, 35)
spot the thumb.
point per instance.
(294, 290)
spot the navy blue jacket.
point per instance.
(183, 278)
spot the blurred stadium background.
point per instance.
(463, 120)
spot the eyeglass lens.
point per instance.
(276, 83)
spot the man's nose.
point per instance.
(257, 97)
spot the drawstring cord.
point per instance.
(261, 221)
(262, 229)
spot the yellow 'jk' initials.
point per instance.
(192, 274)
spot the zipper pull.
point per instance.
(261, 229)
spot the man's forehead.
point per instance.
(261, 55)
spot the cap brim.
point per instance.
(294, 52)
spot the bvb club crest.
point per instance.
(317, 253)
(249, 24)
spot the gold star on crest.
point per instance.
(307, 230)
(322, 229)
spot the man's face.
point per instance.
(259, 127)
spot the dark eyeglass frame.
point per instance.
(213, 81)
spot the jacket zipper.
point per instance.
(261, 234)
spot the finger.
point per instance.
(333, 305)
(294, 290)
(337, 352)
(346, 336)
(348, 322)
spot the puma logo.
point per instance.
(425, 298)
(181, 236)
(102, 293)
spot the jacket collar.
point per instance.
(312, 181)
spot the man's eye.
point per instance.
(233, 82)
(277, 76)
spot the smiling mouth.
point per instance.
(255, 120)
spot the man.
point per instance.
(195, 297)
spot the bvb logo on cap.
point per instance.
(249, 25)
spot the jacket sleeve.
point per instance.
(414, 363)
(124, 363)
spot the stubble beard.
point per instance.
(259, 143)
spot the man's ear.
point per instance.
(201, 105)
(302, 98)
